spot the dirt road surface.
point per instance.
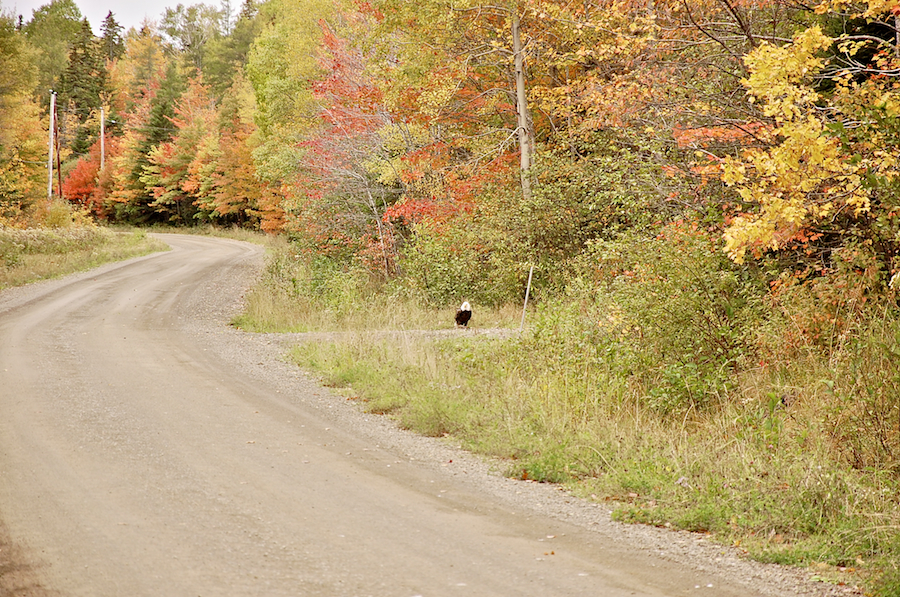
(148, 449)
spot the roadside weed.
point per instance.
(790, 456)
(28, 255)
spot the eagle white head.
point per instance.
(465, 306)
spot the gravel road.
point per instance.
(147, 448)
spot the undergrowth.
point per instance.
(656, 381)
(299, 294)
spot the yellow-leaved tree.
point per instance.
(23, 141)
(830, 154)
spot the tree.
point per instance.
(167, 174)
(22, 137)
(145, 86)
(225, 55)
(111, 38)
(51, 30)
(348, 175)
(524, 125)
(81, 183)
(190, 28)
(281, 64)
(820, 176)
(223, 173)
(82, 86)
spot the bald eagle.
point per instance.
(464, 314)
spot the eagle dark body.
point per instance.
(464, 314)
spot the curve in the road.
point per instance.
(136, 460)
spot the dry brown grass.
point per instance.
(32, 254)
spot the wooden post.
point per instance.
(527, 292)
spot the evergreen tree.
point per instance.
(112, 42)
(226, 16)
(151, 132)
(159, 127)
(81, 87)
(52, 30)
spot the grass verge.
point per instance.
(756, 475)
(29, 255)
(794, 459)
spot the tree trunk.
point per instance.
(378, 223)
(524, 127)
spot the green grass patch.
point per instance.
(404, 387)
(29, 255)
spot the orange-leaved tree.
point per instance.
(348, 176)
(168, 173)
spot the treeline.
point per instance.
(472, 137)
(453, 144)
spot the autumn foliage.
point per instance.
(381, 131)
(721, 177)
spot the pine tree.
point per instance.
(51, 30)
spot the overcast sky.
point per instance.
(130, 13)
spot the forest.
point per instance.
(706, 192)
(476, 138)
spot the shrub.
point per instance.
(687, 313)
(819, 309)
(454, 266)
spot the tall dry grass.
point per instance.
(32, 254)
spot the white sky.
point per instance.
(130, 13)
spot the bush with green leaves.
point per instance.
(484, 255)
(684, 314)
(457, 265)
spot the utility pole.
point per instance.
(59, 189)
(50, 159)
